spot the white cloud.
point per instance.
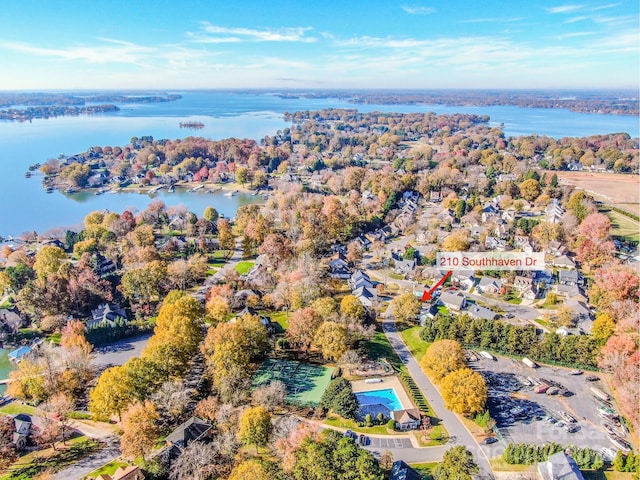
(491, 20)
(418, 10)
(226, 34)
(117, 52)
(564, 8)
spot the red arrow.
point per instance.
(426, 296)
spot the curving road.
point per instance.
(453, 424)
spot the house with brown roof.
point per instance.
(131, 472)
(408, 419)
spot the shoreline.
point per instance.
(208, 187)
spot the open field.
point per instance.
(622, 226)
(623, 191)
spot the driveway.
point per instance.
(117, 353)
(454, 426)
(88, 464)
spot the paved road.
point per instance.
(91, 462)
(452, 423)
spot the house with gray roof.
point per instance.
(481, 313)
(453, 300)
(490, 285)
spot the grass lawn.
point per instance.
(336, 421)
(499, 465)
(379, 347)
(622, 226)
(33, 464)
(14, 408)
(411, 337)
(281, 318)
(244, 267)
(424, 469)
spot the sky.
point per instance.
(351, 44)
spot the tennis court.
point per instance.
(305, 382)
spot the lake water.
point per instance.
(25, 206)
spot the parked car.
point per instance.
(364, 440)
(350, 434)
(489, 440)
(572, 428)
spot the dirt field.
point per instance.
(622, 191)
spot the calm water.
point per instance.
(25, 206)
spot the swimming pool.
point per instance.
(375, 402)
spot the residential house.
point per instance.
(556, 249)
(340, 267)
(494, 243)
(408, 419)
(463, 278)
(501, 230)
(107, 313)
(559, 466)
(564, 261)
(506, 177)
(359, 279)
(481, 313)
(579, 310)
(554, 211)
(190, 431)
(509, 215)
(435, 196)
(568, 277)
(19, 353)
(266, 321)
(526, 287)
(489, 211)
(454, 301)
(132, 472)
(490, 285)
(403, 266)
(402, 471)
(22, 423)
(364, 241)
(366, 296)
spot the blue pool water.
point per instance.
(378, 401)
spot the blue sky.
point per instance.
(171, 44)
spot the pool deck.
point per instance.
(387, 382)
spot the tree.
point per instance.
(332, 339)
(210, 214)
(242, 175)
(48, 260)
(225, 235)
(330, 455)
(8, 452)
(255, 427)
(112, 394)
(406, 307)
(603, 327)
(57, 409)
(271, 396)
(441, 358)
(351, 307)
(457, 241)
(250, 469)
(464, 391)
(457, 463)
(303, 325)
(325, 306)
(140, 430)
(530, 189)
(218, 309)
(340, 398)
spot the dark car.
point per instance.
(350, 434)
(489, 440)
(364, 440)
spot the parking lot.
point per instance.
(380, 442)
(524, 416)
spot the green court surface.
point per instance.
(305, 382)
